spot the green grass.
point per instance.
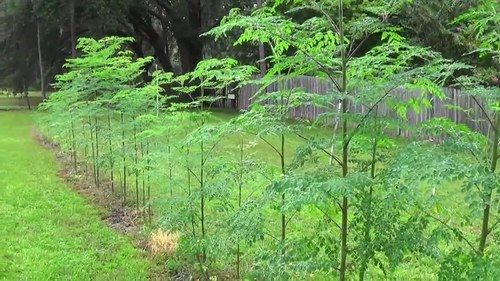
(47, 230)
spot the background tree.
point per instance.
(168, 30)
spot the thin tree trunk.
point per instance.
(149, 183)
(368, 223)
(240, 187)
(170, 170)
(72, 27)
(283, 172)
(262, 51)
(27, 96)
(124, 155)
(487, 208)
(283, 197)
(202, 184)
(189, 191)
(193, 228)
(136, 159)
(73, 141)
(85, 152)
(143, 178)
(336, 122)
(202, 199)
(97, 168)
(93, 150)
(111, 156)
(40, 58)
(345, 150)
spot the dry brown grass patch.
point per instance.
(163, 242)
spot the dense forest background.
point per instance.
(36, 36)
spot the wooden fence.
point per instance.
(449, 107)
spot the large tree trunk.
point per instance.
(186, 22)
(162, 53)
(143, 27)
(187, 32)
(190, 52)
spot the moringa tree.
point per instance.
(330, 44)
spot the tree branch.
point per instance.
(270, 235)
(324, 68)
(266, 141)
(493, 226)
(291, 217)
(358, 126)
(340, 206)
(351, 53)
(485, 113)
(211, 150)
(322, 149)
(328, 17)
(456, 231)
(192, 173)
(329, 217)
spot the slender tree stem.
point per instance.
(240, 187)
(487, 201)
(73, 141)
(143, 177)
(97, 168)
(170, 178)
(124, 159)
(136, 168)
(281, 153)
(202, 184)
(111, 156)
(85, 152)
(368, 222)
(93, 150)
(283, 216)
(149, 182)
(72, 27)
(345, 147)
(40, 57)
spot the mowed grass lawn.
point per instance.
(47, 230)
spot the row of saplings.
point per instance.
(259, 196)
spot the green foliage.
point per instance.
(482, 23)
(321, 201)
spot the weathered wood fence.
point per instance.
(449, 107)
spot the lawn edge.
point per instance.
(120, 218)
